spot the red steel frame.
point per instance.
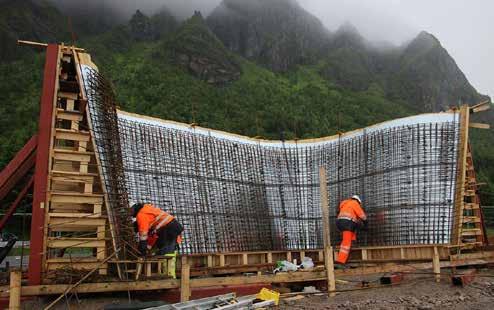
(42, 161)
(18, 167)
(16, 203)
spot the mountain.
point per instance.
(196, 48)
(259, 68)
(421, 72)
(427, 75)
(144, 28)
(275, 33)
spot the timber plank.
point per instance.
(54, 242)
(74, 116)
(68, 134)
(78, 215)
(68, 95)
(71, 197)
(71, 155)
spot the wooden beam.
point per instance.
(74, 116)
(328, 250)
(15, 290)
(459, 201)
(61, 197)
(66, 134)
(78, 215)
(300, 276)
(70, 155)
(75, 243)
(483, 106)
(42, 45)
(479, 125)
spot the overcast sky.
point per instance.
(464, 27)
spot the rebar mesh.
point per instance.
(233, 193)
(104, 126)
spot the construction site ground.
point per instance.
(415, 291)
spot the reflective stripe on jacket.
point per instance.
(351, 210)
(150, 217)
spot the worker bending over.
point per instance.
(350, 218)
(154, 221)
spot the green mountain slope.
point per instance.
(189, 72)
(28, 20)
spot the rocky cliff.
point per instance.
(275, 33)
(196, 48)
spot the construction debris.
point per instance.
(220, 302)
(463, 278)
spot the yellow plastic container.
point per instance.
(267, 294)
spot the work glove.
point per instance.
(365, 225)
(143, 247)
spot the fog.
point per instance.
(462, 26)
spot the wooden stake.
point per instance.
(328, 249)
(185, 280)
(138, 267)
(436, 265)
(15, 290)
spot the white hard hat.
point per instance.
(356, 197)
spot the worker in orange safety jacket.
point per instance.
(350, 218)
(153, 222)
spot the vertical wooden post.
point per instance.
(328, 249)
(364, 254)
(289, 256)
(245, 259)
(15, 290)
(436, 265)
(460, 176)
(139, 267)
(185, 280)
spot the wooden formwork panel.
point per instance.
(369, 254)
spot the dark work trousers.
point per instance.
(167, 237)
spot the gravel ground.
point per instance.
(415, 292)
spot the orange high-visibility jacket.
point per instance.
(150, 217)
(350, 209)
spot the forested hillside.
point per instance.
(279, 74)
